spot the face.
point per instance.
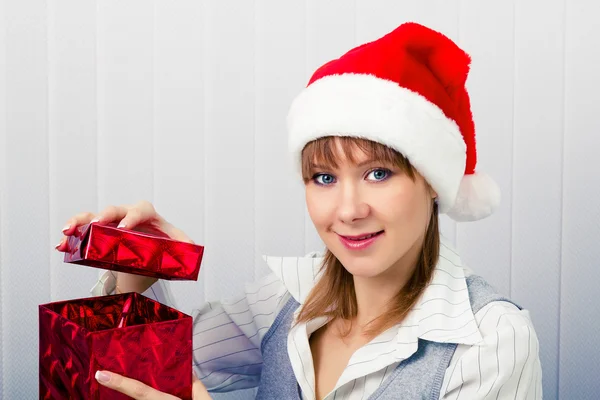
(368, 197)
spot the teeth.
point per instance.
(364, 237)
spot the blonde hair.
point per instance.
(334, 295)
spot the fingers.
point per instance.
(132, 388)
(199, 391)
(176, 233)
(62, 245)
(141, 212)
(76, 221)
(111, 214)
(71, 226)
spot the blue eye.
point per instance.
(380, 174)
(326, 179)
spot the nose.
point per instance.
(351, 205)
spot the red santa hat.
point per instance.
(407, 91)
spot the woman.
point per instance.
(385, 141)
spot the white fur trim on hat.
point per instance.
(376, 109)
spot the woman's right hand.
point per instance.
(139, 217)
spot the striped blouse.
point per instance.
(497, 355)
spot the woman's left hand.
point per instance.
(139, 391)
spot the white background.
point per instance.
(183, 103)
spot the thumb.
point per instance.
(199, 391)
(176, 233)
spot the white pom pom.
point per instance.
(478, 197)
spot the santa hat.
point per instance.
(407, 91)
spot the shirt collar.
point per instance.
(443, 313)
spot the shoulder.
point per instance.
(504, 326)
(508, 332)
(506, 360)
(497, 313)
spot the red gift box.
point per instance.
(129, 334)
(108, 247)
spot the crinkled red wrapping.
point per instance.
(108, 247)
(79, 337)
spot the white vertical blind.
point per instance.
(183, 103)
(580, 257)
(537, 188)
(179, 155)
(25, 191)
(3, 183)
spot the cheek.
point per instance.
(317, 209)
(407, 209)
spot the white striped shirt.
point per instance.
(497, 355)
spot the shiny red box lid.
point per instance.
(129, 334)
(109, 247)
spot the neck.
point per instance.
(374, 294)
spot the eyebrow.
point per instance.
(361, 164)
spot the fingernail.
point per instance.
(102, 377)
(95, 220)
(57, 246)
(122, 225)
(66, 228)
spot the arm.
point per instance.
(505, 365)
(159, 291)
(226, 334)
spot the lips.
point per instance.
(363, 236)
(360, 242)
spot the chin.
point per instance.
(364, 273)
(363, 265)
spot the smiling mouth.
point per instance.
(362, 236)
